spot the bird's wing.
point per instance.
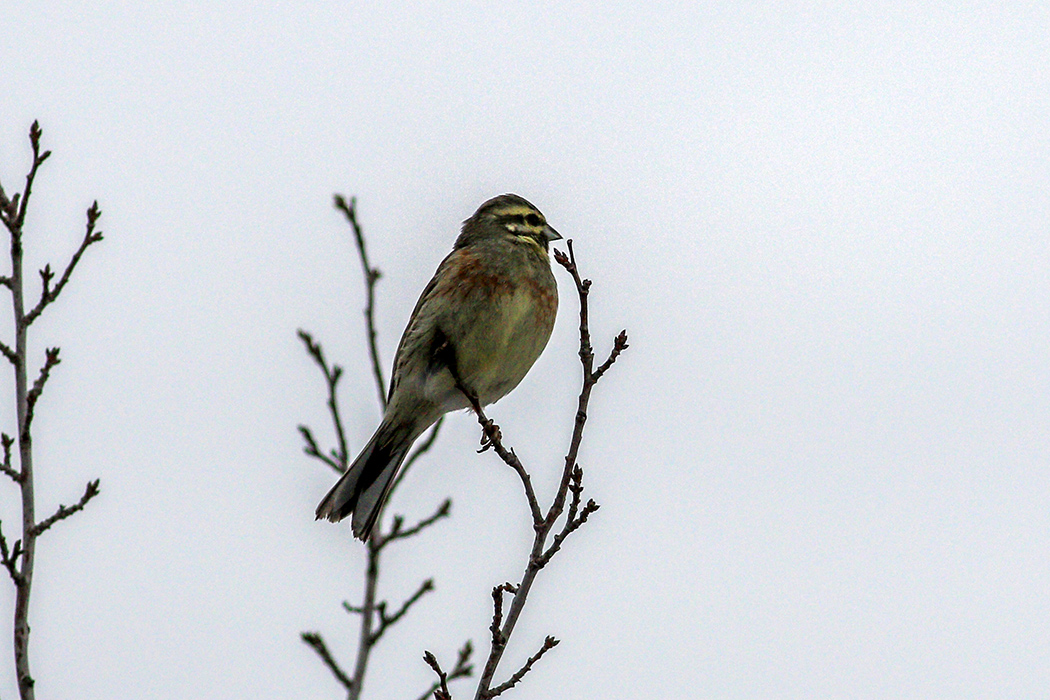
(421, 319)
(463, 279)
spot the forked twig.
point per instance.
(20, 559)
(372, 275)
(375, 620)
(543, 523)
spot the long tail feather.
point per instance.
(362, 490)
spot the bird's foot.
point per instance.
(490, 434)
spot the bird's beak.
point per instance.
(550, 234)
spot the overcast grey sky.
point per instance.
(823, 464)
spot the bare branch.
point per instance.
(571, 483)
(491, 437)
(619, 345)
(571, 525)
(9, 353)
(396, 533)
(50, 360)
(574, 519)
(20, 560)
(331, 375)
(311, 449)
(375, 620)
(64, 512)
(7, 212)
(441, 689)
(48, 294)
(315, 642)
(496, 628)
(548, 644)
(590, 378)
(462, 669)
(9, 559)
(386, 621)
(372, 276)
(6, 468)
(16, 214)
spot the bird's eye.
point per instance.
(533, 220)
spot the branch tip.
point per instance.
(441, 691)
(64, 512)
(315, 642)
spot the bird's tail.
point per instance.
(363, 488)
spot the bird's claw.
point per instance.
(490, 435)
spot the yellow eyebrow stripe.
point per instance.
(516, 210)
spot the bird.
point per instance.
(477, 329)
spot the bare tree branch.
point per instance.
(12, 213)
(331, 375)
(462, 669)
(496, 628)
(8, 441)
(311, 449)
(619, 345)
(386, 621)
(375, 620)
(441, 691)
(63, 512)
(48, 295)
(574, 519)
(9, 353)
(372, 276)
(548, 644)
(10, 559)
(543, 524)
(396, 533)
(315, 642)
(492, 438)
(50, 361)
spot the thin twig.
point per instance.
(368, 607)
(10, 558)
(372, 276)
(48, 295)
(12, 213)
(386, 621)
(571, 483)
(311, 449)
(574, 518)
(548, 644)
(35, 133)
(9, 353)
(51, 359)
(6, 468)
(619, 345)
(462, 669)
(375, 620)
(441, 691)
(496, 628)
(316, 642)
(63, 512)
(331, 374)
(492, 438)
(396, 533)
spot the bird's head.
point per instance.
(508, 215)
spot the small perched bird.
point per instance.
(480, 324)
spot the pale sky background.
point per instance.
(824, 463)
